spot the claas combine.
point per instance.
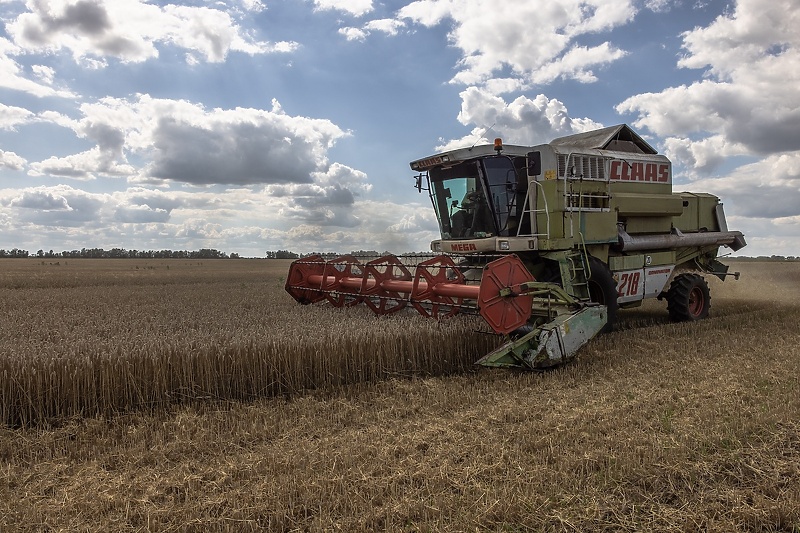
(545, 242)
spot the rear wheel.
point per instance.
(688, 298)
(603, 290)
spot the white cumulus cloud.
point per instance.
(535, 42)
(522, 121)
(352, 7)
(131, 30)
(748, 100)
(185, 142)
(11, 161)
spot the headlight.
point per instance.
(436, 246)
(504, 245)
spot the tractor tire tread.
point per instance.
(679, 298)
(603, 280)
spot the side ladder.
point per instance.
(575, 274)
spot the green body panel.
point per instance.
(647, 204)
(648, 225)
(626, 262)
(598, 228)
(698, 213)
(632, 262)
(659, 190)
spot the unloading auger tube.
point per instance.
(542, 324)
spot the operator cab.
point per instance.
(478, 192)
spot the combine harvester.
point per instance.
(546, 243)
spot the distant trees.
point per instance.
(14, 252)
(282, 254)
(363, 255)
(122, 253)
(211, 253)
(762, 258)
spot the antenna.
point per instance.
(482, 134)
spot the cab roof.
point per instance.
(464, 154)
(620, 138)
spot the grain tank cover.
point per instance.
(619, 138)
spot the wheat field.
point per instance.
(97, 337)
(656, 426)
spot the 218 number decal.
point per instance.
(629, 283)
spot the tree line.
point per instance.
(211, 253)
(121, 253)
(286, 254)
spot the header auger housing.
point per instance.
(545, 242)
(437, 289)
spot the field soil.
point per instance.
(655, 427)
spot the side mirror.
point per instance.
(418, 184)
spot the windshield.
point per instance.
(480, 198)
(460, 202)
(474, 199)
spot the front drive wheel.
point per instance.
(603, 290)
(688, 298)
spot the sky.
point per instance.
(255, 125)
